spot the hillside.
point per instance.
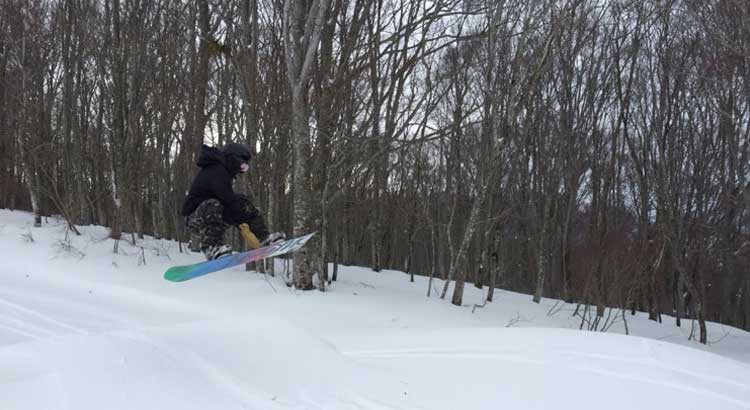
(83, 328)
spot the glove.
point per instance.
(250, 239)
(273, 238)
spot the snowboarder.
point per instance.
(211, 205)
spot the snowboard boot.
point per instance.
(217, 251)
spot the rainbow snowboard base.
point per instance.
(187, 272)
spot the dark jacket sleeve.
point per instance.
(237, 211)
(233, 212)
(258, 226)
(222, 189)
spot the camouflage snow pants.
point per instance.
(206, 225)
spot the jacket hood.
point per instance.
(213, 156)
(210, 156)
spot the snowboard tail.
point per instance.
(187, 272)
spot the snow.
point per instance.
(84, 328)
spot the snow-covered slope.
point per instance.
(82, 328)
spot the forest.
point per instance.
(593, 151)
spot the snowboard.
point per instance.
(186, 272)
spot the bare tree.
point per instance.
(303, 24)
(591, 150)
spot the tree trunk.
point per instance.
(541, 254)
(301, 42)
(458, 269)
(29, 168)
(303, 259)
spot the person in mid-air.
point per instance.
(211, 205)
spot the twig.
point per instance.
(583, 317)
(726, 333)
(28, 237)
(615, 320)
(515, 320)
(265, 276)
(479, 306)
(554, 309)
(737, 252)
(66, 247)
(607, 324)
(142, 258)
(434, 288)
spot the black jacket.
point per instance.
(214, 180)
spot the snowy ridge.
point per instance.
(89, 329)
